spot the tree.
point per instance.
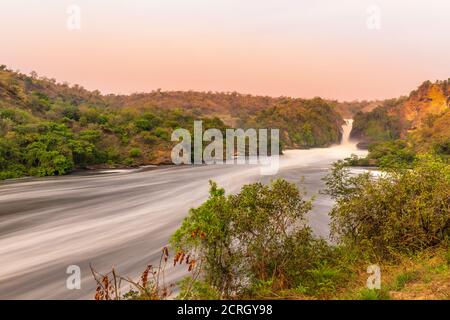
(402, 211)
(256, 236)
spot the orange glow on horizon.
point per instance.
(319, 50)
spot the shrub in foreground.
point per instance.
(401, 211)
(250, 241)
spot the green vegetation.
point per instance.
(400, 129)
(43, 147)
(256, 244)
(253, 240)
(48, 128)
(402, 211)
(311, 123)
(404, 278)
(377, 125)
(395, 153)
(373, 294)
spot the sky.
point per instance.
(346, 50)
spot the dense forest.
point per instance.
(51, 128)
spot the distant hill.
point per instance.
(232, 107)
(396, 118)
(398, 130)
(49, 128)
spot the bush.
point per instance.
(162, 133)
(403, 211)
(148, 138)
(47, 163)
(392, 154)
(82, 152)
(71, 112)
(135, 152)
(402, 279)
(258, 236)
(12, 171)
(442, 147)
(197, 290)
(324, 278)
(374, 294)
(90, 135)
(40, 102)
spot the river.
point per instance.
(124, 218)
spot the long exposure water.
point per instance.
(124, 218)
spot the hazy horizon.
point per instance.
(60, 81)
(273, 48)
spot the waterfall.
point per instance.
(346, 129)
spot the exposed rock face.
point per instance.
(428, 99)
(397, 118)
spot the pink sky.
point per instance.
(284, 47)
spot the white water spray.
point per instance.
(346, 130)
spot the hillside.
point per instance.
(395, 118)
(232, 107)
(415, 124)
(51, 128)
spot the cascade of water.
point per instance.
(346, 129)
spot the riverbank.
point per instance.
(122, 219)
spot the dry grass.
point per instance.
(425, 276)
